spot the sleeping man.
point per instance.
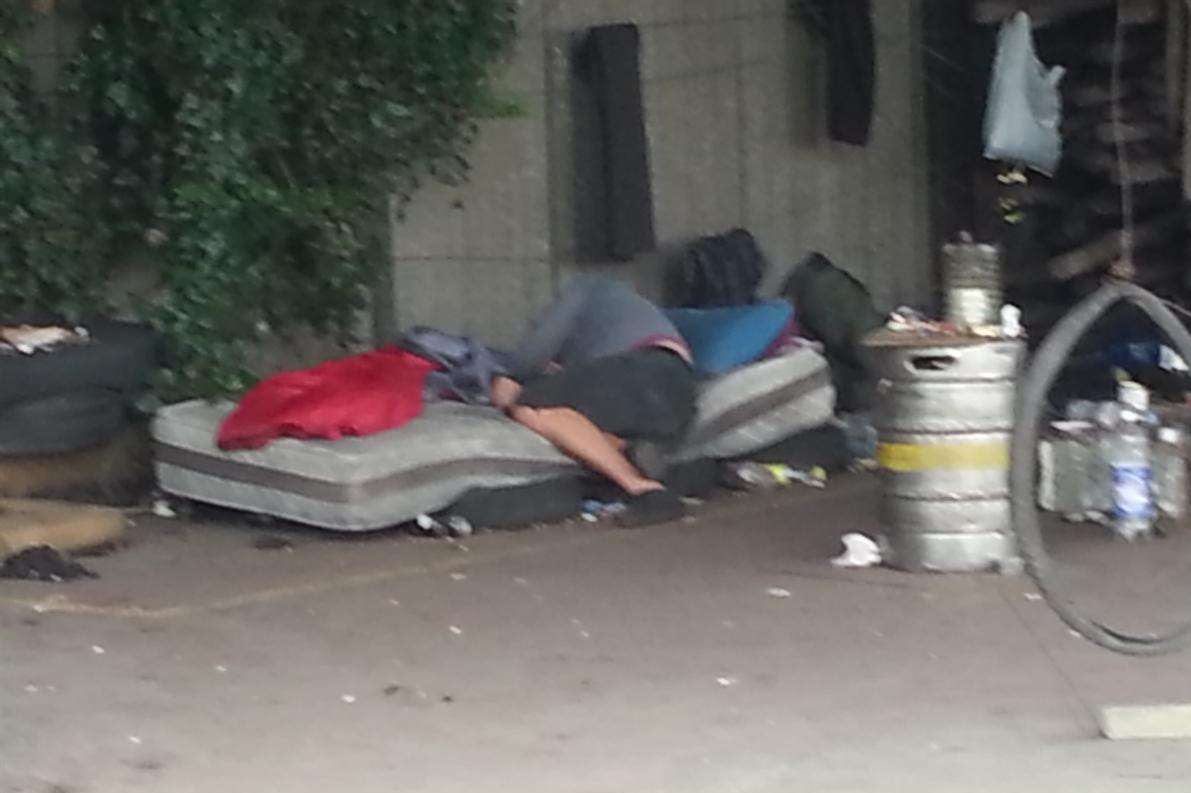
(605, 376)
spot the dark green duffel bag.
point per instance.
(832, 306)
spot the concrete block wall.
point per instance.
(477, 258)
(735, 110)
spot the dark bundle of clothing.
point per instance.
(466, 367)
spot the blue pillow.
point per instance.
(725, 338)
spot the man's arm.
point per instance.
(505, 392)
(549, 330)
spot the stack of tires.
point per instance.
(75, 397)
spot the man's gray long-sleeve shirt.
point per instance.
(592, 317)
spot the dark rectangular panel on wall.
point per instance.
(957, 67)
(610, 65)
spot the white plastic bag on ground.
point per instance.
(1021, 123)
(859, 551)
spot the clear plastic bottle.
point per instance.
(1129, 461)
(860, 436)
(1170, 474)
(1081, 410)
(1075, 470)
(1079, 485)
(1097, 497)
(1060, 479)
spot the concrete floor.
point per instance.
(573, 658)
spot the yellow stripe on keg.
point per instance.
(904, 458)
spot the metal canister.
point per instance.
(972, 288)
(945, 418)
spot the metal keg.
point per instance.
(944, 417)
(972, 288)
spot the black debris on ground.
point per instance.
(105, 549)
(273, 543)
(43, 563)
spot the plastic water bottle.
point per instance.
(1081, 410)
(1074, 470)
(860, 436)
(1129, 461)
(1098, 488)
(1170, 474)
(1077, 482)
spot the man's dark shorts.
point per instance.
(646, 394)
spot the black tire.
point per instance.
(120, 357)
(61, 423)
(1050, 359)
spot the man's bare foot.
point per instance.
(642, 486)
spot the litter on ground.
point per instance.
(162, 509)
(859, 551)
(42, 563)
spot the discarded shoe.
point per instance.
(648, 458)
(654, 506)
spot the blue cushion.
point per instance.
(724, 338)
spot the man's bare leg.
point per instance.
(574, 434)
(617, 443)
(578, 437)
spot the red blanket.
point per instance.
(360, 395)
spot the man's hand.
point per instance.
(505, 391)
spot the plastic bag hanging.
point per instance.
(1021, 123)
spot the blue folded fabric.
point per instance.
(722, 339)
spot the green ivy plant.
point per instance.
(256, 145)
(51, 246)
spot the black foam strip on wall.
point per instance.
(613, 56)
